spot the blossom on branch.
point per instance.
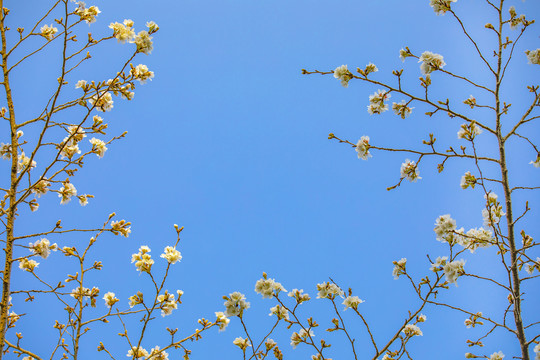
(533, 56)
(123, 32)
(401, 109)
(453, 270)
(235, 304)
(362, 148)
(66, 192)
(352, 302)
(441, 6)
(430, 62)
(376, 102)
(399, 267)
(48, 31)
(409, 171)
(342, 73)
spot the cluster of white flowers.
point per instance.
(411, 330)
(143, 40)
(24, 162)
(469, 131)
(409, 171)
(87, 14)
(444, 229)
(28, 264)
(301, 336)
(352, 302)
(468, 180)
(497, 356)
(266, 287)
(81, 293)
(136, 299)
(299, 295)
(235, 304)
(242, 343)
(370, 68)
(66, 192)
(123, 32)
(70, 143)
(121, 227)
(102, 102)
(141, 73)
(495, 212)
(41, 187)
(472, 320)
(430, 62)
(110, 299)
(362, 148)
(536, 163)
(535, 265)
(269, 344)
(453, 270)
(402, 109)
(399, 267)
(441, 6)
(98, 147)
(404, 53)
(342, 73)
(143, 260)
(515, 20)
(43, 248)
(167, 303)
(48, 31)
(157, 354)
(5, 151)
(438, 264)
(171, 255)
(421, 318)
(533, 56)
(376, 102)
(137, 352)
(222, 320)
(280, 312)
(476, 238)
(328, 290)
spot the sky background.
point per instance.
(230, 141)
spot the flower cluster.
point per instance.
(536, 163)
(299, 295)
(471, 101)
(87, 14)
(376, 102)
(280, 312)
(430, 62)
(352, 302)
(493, 212)
(515, 20)
(5, 151)
(141, 73)
(171, 255)
(370, 68)
(399, 267)
(301, 336)
(362, 148)
(476, 238)
(123, 32)
(98, 147)
(43, 248)
(24, 162)
(444, 228)
(41, 187)
(404, 53)
(342, 73)
(472, 320)
(235, 304)
(27, 264)
(167, 303)
(110, 299)
(438, 264)
(137, 352)
(533, 56)
(69, 146)
(328, 290)
(409, 171)
(497, 356)
(469, 131)
(66, 192)
(401, 109)
(441, 6)
(453, 270)
(102, 102)
(411, 330)
(48, 31)
(80, 293)
(121, 227)
(222, 320)
(468, 180)
(242, 343)
(143, 260)
(266, 287)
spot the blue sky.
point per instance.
(230, 141)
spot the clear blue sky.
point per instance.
(230, 141)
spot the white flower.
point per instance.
(41, 187)
(242, 343)
(236, 303)
(328, 290)
(24, 162)
(299, 295)
(102, 102)
(144, 42)
(171, 255)
(533, 56)
(122, 227)
(98, 147)
(444, 227)
(301, 336)
(430, 62)
(80, 293)
(421, 318)
(167, 303)
(536, 163)
(157, 354)
(403, 54)
(342, 73)
(270, 344)
(28, 265)
(137, 352)
(471, 101)
(222, 320)
(399, 267)
(370, 68)
(280, 312)
(152, 27)
(352, 302)
(453, 270)
(441, 6)
(66, 192)
(401, 109)
(141, 73)
(110, 299)
(5, 151)
(409, 170)
(468, 131)
(468, 180)
(537, 352)
(412, 330)
(143, 260)
(376, 102)
(476, 238)
(440, 262)
(43, 248)
(362, 148)
(495, 213)
(87, 14)
(266, 287)
(48, 31)
(497, 356)
(123, 32)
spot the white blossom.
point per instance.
(328, 290)
(27, 264)
(66, 192)
(123, 32)
(441, 6)
(280, 312)
(342, 73)
(412, 330)
(453, 270)
(48, 31)
(144, 42)
(533, 56)
(430, 62)
(409, 171)
(266, 287)
(42, 248)
(362, 148)
(143, 260)
(171, 255)
(401, 109)
(497, 356)
(399, 267)
(102, 102)
(352, 302)
(222, 320)
(110, 299)
(235, 304)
